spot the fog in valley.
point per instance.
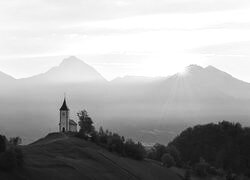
(144, 108)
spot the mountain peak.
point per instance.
(194, 68)
(211, 71)
(71, 60)
(71, 70)
(189, 70)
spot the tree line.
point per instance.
(224, 145)
(210, 149)
(11, 155)
(109, 140)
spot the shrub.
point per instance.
(82, 136)
(167, 160)
(111, 141)
(134, 150)
(94, 137)
(2, 143)
(15, 141)
(187, 175)
(201, 168)
(214, 171)
(174, 152)
(115, 143)
(11, 158)
(158, 151)
(231, 176)
(19, 156)
(103, 137)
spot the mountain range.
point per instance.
(147, 109)
(71, 70)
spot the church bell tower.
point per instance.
(64, 117)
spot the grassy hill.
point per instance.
(61, 157)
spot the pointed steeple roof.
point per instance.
(64, 106)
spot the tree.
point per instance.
(158, 151)
(187, 175)
(2, 143)
(101, 131)
(11, 159)
(175, 153)
(94, 137)
(230, 176)
(201, 168)
(85, 123)
(15, 141)
(167, 160)
(115, 143)
(224, 145)
(103, 136)
(134, 150)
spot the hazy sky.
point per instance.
(119, 37)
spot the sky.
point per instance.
(125, 37)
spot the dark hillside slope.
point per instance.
(62, 157)
(224, 145)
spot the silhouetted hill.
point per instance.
(224, 145)
(60, 157)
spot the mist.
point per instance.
(143, 108)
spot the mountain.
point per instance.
(71, 70)
(5, 78)
(211, 77)
(135, 79)
(158, 110)
(144, 108)
(205, 94)
(58, 156)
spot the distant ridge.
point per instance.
(70, 70)
(134, 105)
(5, 78)
(136, 79)
(73, 69)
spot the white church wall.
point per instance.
(72, 128)
(64, 121)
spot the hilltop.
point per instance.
(59, 156)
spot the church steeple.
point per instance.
(64, 117)
(64, 106)
(66, 124)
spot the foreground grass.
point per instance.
(61, 157)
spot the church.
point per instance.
(66, 124)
